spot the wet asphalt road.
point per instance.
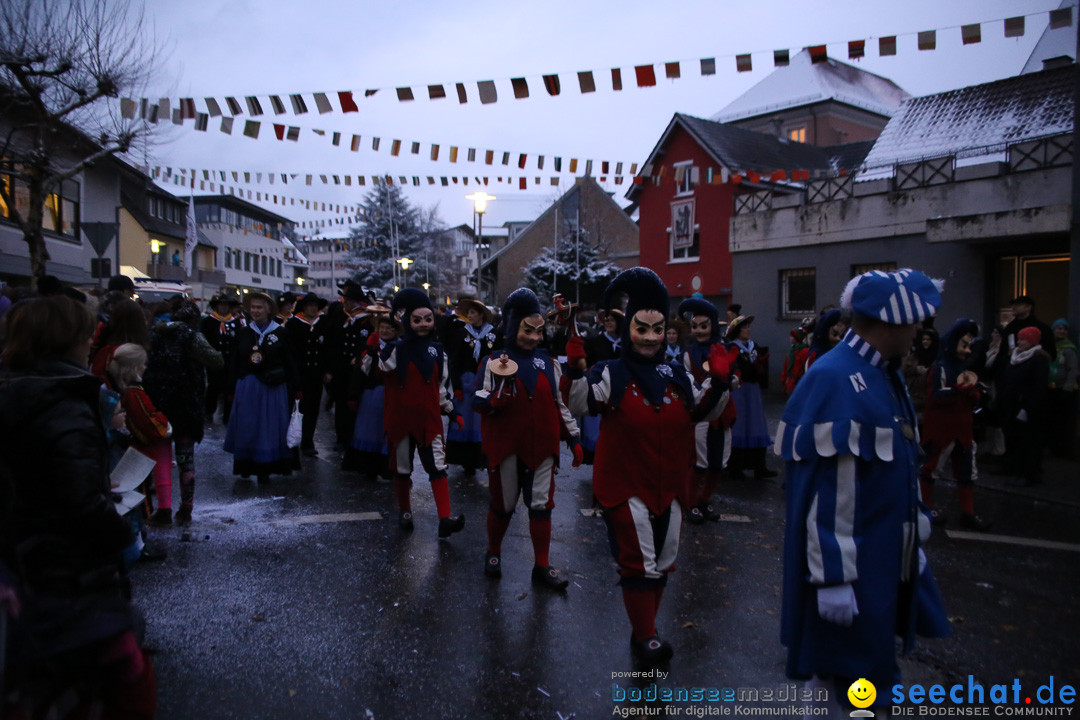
(302, 599)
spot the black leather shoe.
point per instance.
(450, 525)
(548, 577)
(694, 517)
(310, 452)
(493, 565)
(651, 651)
(162, 517)
(151, 555)
(974, 522)
(708, 513)
(764, 473)
(404, 520)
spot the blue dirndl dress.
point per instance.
(257, 427)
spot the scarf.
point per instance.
(477, 335)
(266, 330)
(1019, 357)
(616, 342)
(223, 320)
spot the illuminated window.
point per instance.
(797, 134)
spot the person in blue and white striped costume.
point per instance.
(855, 576)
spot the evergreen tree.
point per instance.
(392, 228)
(576, 269)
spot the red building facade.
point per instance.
(684, 220)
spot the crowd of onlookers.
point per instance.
(84, 380)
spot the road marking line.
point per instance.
(1008, 540)
(337, 517)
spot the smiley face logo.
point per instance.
(862, 693)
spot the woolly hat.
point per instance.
(1032, 334)
(521, 303)
(645, 291)
(903, 297)
(693, 307)
(1060, 322)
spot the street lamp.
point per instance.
(480, 201)
(404, 262)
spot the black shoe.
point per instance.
(404, 520)
(736, 474)
(183, 515)
(548, 577)
(708, 513)
(1023, 482)
(650, 652)
(493, 565)
(764, 473)
(149, 555)
(263, 478)
(694, 517)
(974, 522)
(162, 517)
(450, 525)
(310, 452)
(936, 518)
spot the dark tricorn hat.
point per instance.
(310, 298)
(521, 303)
(352, 291)
(286, 297)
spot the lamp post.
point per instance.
(155, 251)
(405, 263)
(480, 201)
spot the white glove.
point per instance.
(1022, 416)
(836, 604)
(922, 561)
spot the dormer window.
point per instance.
(797, 134)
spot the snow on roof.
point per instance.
(288, 244)
(804, 83)
(980, 119)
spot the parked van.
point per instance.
(152, 290)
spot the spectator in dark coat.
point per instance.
(62, 540)
(175, 380)
(1022, 403)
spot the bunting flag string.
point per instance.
(487, 91)
(292, 133)
(226, 182)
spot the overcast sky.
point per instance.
(260, 47)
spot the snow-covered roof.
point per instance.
(978, 120)
(1053, 43)
(805, 83)
(288, 244)
(741, 150)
